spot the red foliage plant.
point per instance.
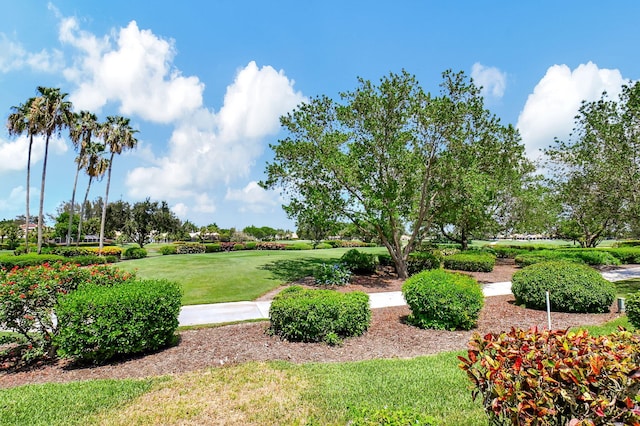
(531, 377)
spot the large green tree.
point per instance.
(596, 172)
(148, 218)
(375, 159)
(119, 136)
(483, 168)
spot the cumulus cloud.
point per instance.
(132, 68)
(16, 198)
(14, 154)
(208, 148)
(254, 198)
(491, 79)
(550, 110)
(13, 57)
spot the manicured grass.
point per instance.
(627, 287)
(66, 404)
(234, 276)
(275, 393)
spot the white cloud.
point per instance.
(13, 57)
(254, 198)
(134, 70)
(550, 110)
(491, 79)
(16, 199)
(14, 154)
(207, 149)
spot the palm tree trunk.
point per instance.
(104, 206)
(86, 195)
(41, 211)
(71, 207)
(27, 219)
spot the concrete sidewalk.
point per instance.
(240, 311)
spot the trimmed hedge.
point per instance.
(443, 300)
(572, 287)
(168, 250)
(99, 323)
(135, 253)
(328, 316)
(190, 248)
(213, 248)
(298, 246)
(632, 309)
(471, 262)
(359, 262)
(423, 260)
(9, 261)
(586, 256)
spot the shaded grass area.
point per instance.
(66, 404)
(626, 288)
(233, 276)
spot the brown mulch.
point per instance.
(388, 337)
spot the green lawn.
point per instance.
(234, 276)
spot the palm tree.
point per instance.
(118, 135)
(83, 127)
(53, 114)
(23, 119)
(95, 166)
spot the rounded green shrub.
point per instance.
(167, 250)
(328, 316)
(443, 300)
(331, 274)
(213, 248)
(359, 262)
(190, 248)
(572, 287)
(323, 246)
(471, 262)
(98, 323)
(135, 253)
(423, 260)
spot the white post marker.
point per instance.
(548, 311)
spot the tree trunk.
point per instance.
(27, 219)
(72, 206)
(104, 205)
(41, 211)
(86, 195)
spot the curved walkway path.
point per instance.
(217, 313)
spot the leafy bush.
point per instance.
(250, 245)
(359, 262)
(270, 246)
(106, 251)
(572, 287)
(323, 246)
(212, 248)
(135, 253)
(472, 262)
(100, 323)
(68, 251)
(304, 315)
(386, 260)
(555, 377)
(625, 255)
(190, 248)
(587, 256)
(9, 261)
(168, 250)
(238, 247)
(423, 260)
(89, 259)
(335, 274)
(29, 296)
(443, 300)
(626, 243)
(632, 308)
(505, 252)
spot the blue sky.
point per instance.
(204, 82)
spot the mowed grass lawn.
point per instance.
(237, 275)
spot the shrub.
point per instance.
(135, 253)
(250, 245)
(212, 248)
(298, 246)
(335, 274)
(572, 287)
(304, 315)
(632, 308)
(472, 262)
(100, 323)
(555, 377)
(625, 254)
(9, 261)
(386, 260)
(587, 256)
(270, 246)
(106, 251)
(168, 250)
(238, 246)
(323, 246)
(421, 261)
(68, 251)
(443, 300)
(359, 262)
(89, 259)
(190, 248)
(626, 243)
